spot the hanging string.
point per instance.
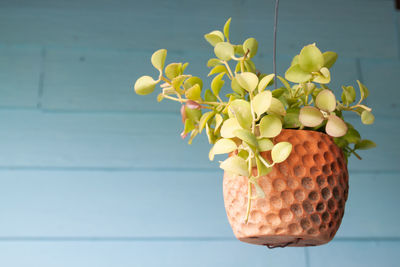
(275, 30)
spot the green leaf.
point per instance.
(249, 66)
(276, 107)
(189, 125)
(329, 59)
(326, 100)
(239, 50)
(352, 136)
(261, 168)
(224, 51)
(310, 116)
(209, 96)
(236, 87)
(241, 110)
(365, 144)
(228, 128)
(173, 70)
(335, 126)
(311, 58)
(259, 191)
(367, 117)
(265, 144)
(297, 75)
(226, 28)
(363, 90)
(210, 134)
(291, 119)
(145, 85)
(214, 37)
(284, 82)
(270, 126)
(204, 119)
(348, 95)
(247, 80)
(217, 84)
(246, 136)
(158, 59)
(178, 81)
(278, 92)
(281, 152)
(295, 60)
(212, 62)
(193, 114)
(222, 146)
(190, 82)
(218, 69)
(322, 77)
(265, 81)
(251, 45)
(261, 102)
(194, 93)
(218, 122)
(236, 165)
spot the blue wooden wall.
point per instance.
(93, 175)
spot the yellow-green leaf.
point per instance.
(218, 122)
(335, 126)
(261, 102)
(214, 37)
(297, 75)
(241, 110)
(224, 51)
(311, 58)
(145, 85)
(204, 119)
(218, 69)
(265, 144)
(270, 126)
(367, 117)
(276, 107)
(251, 45)
(247, 80)
(228, 127)
(246, 136)
(194, 93)
(158, 59)
(326, 100)
(222, 146)
(217, 83)
(281, 152)
(265, 81)
(310, 116)
(191, 81)
(226, 28)
(236, 165)
(173, 70)
(329, 59)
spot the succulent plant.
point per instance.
(245, 121)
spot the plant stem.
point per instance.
(200, 102)
(229, 69)
(246, 219)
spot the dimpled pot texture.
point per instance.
(305, 195)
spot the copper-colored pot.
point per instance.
(305, 195)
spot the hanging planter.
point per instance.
(285, 179)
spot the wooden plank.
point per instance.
(20, 69)
(83, 79)
(382, 79)
(159, 204)
(152, 253)
(131, 140)
(368, 26)
(356, 254)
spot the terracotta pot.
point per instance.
(305, 195)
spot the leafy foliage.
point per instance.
(245, 122)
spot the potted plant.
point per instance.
(285, 179)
